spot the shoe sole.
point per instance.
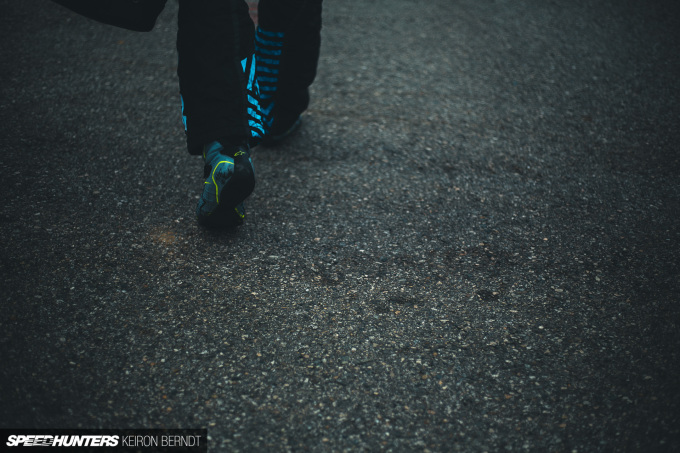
(224, 218)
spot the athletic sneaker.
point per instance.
(229, 179)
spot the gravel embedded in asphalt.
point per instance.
(471, 245)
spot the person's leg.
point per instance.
(215, 48)
(219, 101)
(287, 44)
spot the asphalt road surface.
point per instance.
(472, 244)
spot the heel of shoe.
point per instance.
(242, 183)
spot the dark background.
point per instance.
(471, 245)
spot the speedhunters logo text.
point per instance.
(36, 440)
(192, 440)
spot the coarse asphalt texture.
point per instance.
(471, 245)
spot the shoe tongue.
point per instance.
(232, 151)
(229, 151)
(216, 148)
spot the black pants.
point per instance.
(215, 44)
(300, 23)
